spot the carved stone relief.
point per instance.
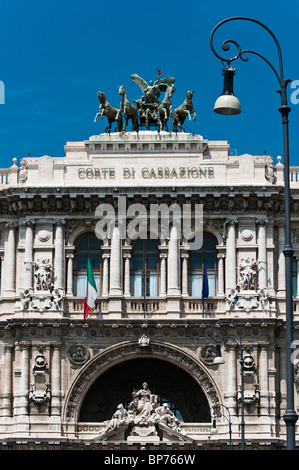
(143, 416)
(78, 354)
(251, 387)
(40, 392)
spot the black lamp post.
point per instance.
(217, 414)
(228, 104)
(219, 338)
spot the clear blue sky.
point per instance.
(55, 56)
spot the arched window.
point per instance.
(196, 261)
(145, 268)
(87, 246)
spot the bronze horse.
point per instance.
(180, 113)
(113, 114)
(130, 111)
(165, 108)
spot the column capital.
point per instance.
(262, 221)
(24, 345)
(28, 222)
(231, 220)
(59, 222)
(11, 224)
(56, 344)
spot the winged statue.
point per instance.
(152, 91)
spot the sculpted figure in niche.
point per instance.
(247, 276)
(43, 274)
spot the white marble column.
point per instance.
(163, 271)
(9, 268)
(231, 263)
(56, 380)
(281, 262)
(185, 257)
(127, 284)
(70, 268)
(221, 258)
(7, 382)
(2, 268)
(21, 383)
(59, 255)
(231, 374)
(105, 261)
(173, 263)
(115, 263)
(262, 254)
(28, 281)
(270, 257)
(264, 381)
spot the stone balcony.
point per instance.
(155, 308)
(137, 307)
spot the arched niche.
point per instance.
(110, 368)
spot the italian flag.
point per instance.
(91, 291)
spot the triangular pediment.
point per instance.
(157, 433)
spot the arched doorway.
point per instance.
(170, 382)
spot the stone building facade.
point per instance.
(63, 378)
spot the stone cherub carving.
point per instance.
(25, 297)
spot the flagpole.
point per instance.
(205, 286)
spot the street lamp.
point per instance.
(218, 337)
(233, 107)
(228, 103)
(217, 414)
